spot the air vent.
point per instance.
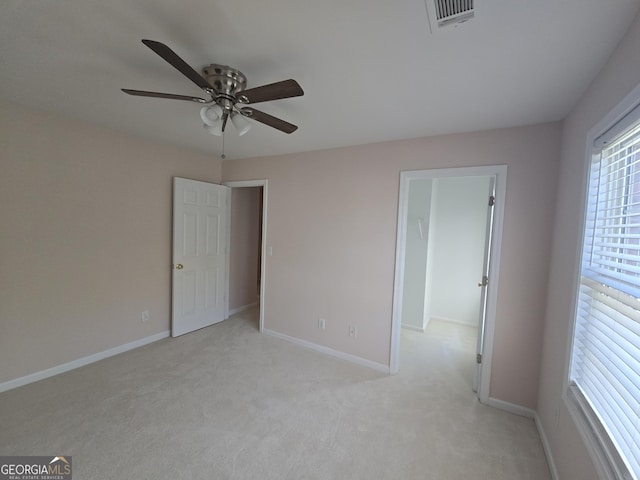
(443, 13)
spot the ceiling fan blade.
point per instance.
(183, 67)
(273, 91)
(269, 120)
(142, 93)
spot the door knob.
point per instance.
(179, 266)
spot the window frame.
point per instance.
(600, 447)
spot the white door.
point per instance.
(199, 254)
(485, 279)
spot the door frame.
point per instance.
(500, 173)
(263, 247)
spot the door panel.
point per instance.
(190, 235)
(188, 293)
(212, 236)
(199, 255)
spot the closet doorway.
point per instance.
(247, 254)
(447, 257)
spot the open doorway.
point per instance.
(449, 231)
(247, 233)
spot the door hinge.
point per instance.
(492, 201)
(478, 358)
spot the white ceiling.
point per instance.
(371, 69)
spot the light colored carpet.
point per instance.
(229, 403)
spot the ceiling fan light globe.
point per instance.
(241, 124)
(210, 115)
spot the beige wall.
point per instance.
(619, 77)
(244, 257)
(85, 245)
(332, 219)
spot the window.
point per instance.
(605, 363)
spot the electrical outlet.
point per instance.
(145, 315)
(353, 331)
(322, 323)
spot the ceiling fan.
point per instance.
(226, 88)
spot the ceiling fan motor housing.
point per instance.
(226, 81)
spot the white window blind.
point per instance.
(605, 366)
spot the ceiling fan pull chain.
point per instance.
(223, 156)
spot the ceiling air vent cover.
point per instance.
(443, 13)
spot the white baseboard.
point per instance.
(329, 351)
(80, 362)
(411, 327)
(511, 407)
(529, 413)
(547, 448)
(242, 308)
